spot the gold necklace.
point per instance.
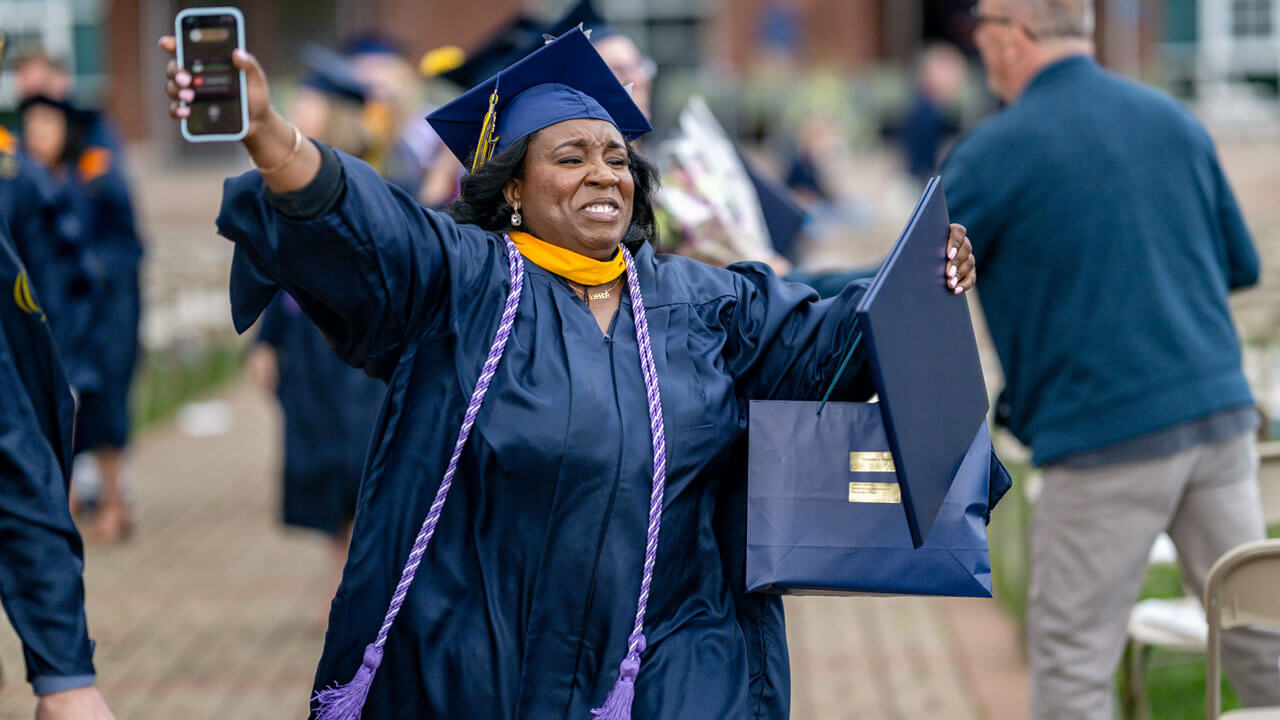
(607, 292)
(599, 294)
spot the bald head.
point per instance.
(1059, 18)
(1018, 38)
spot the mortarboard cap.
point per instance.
(564, 80)
(582, 14)
(332, 74)
(931, 409)
(517, 38)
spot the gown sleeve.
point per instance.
(783, 343)
(41, 556)
(117, 242)
(368, 270)
(271, 323)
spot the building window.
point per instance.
(1252, 18)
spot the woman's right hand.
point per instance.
(178, 86)
(273, 142)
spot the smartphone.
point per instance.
(206, 38)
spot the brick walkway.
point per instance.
(207, 612)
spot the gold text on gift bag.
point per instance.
(873, 492)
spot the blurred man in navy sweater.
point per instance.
(1107, 241)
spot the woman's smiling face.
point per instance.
(577, 188)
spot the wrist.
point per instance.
(270, 140)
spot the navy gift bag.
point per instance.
(824, 512)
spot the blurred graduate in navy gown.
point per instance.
(59, 270)
(329, 409)
(328, 406)
(98, 335)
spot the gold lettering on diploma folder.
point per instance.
(874, 492)
(877, 462)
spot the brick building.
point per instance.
(110, 43)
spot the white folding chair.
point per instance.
(1174, 626)
(1243, 589)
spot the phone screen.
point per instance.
(207, 44)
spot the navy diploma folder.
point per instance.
(924, 361)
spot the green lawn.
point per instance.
(1175, 682)
(166, 379)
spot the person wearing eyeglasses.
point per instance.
(1108, 239)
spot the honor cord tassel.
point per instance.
(345, 702)
(617, 706)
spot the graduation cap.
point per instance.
(332, 74)
(515, 39)
(564, 80)
(582, 14)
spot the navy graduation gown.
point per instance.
(60, 269)
(97, 211)
(523, 602)
(41, 556)
(329, 409)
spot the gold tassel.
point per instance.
(484, 150)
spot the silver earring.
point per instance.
(515, 217)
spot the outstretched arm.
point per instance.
(368, 264)
(272, 141)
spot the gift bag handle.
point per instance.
(857, 338)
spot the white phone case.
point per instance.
(244, 91)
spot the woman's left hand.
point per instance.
(961, 271)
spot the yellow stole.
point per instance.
(568, 264)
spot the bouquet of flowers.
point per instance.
(708, 208)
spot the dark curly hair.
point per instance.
(482, 202)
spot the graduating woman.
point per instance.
(584, 398)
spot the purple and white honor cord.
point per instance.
(617, 706)
(345, 702)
